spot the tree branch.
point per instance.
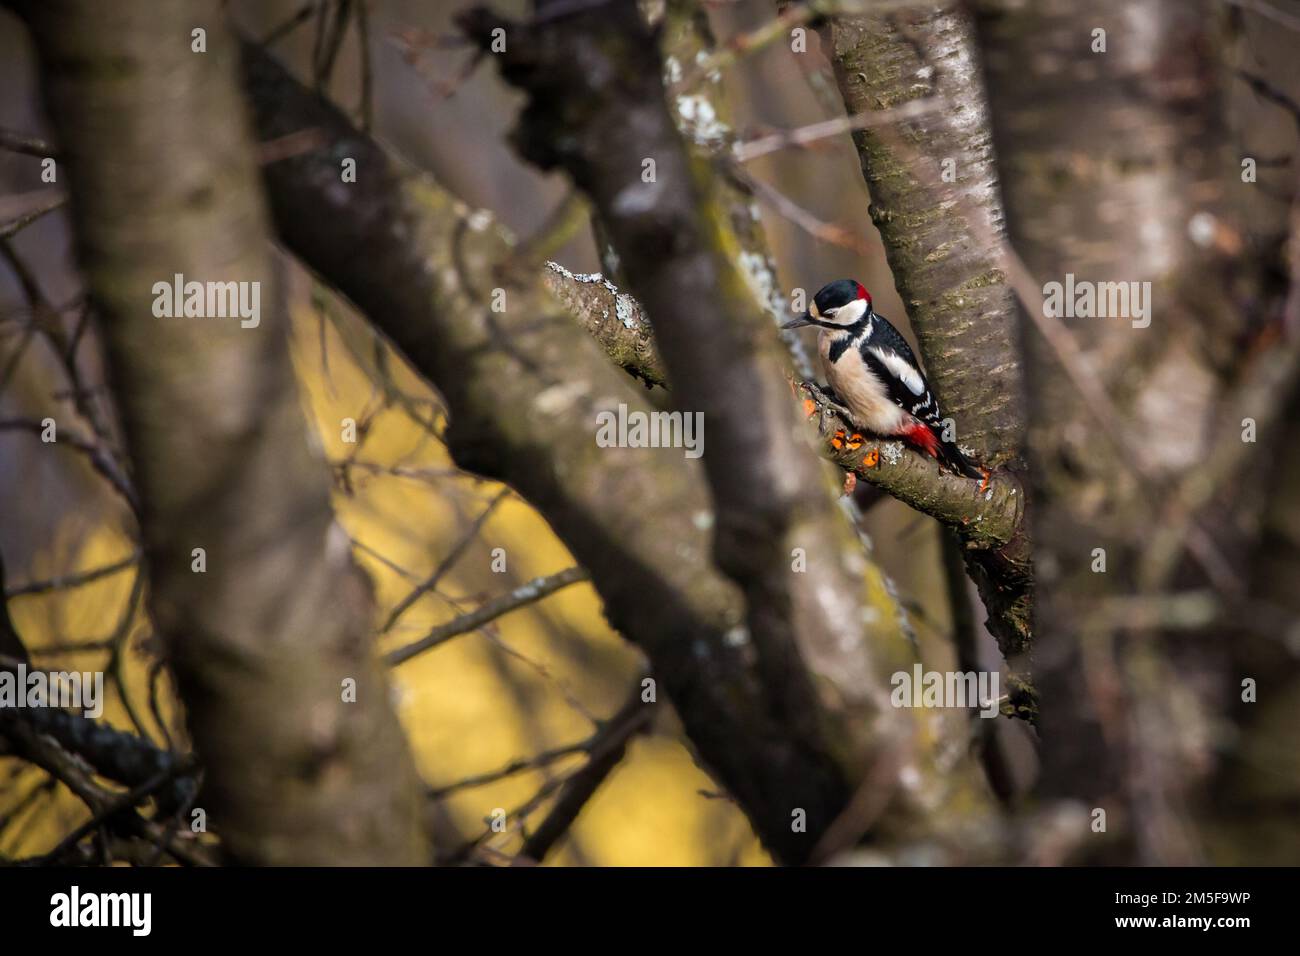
(987, 517)
(605, 751)
(490, 610)
(613, 318)
(984, 516)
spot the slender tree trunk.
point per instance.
(703, 116)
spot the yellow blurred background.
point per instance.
(532, 681)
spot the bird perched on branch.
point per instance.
(874, 374)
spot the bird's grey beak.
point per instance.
(799, 322)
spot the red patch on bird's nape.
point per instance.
(920, 435)
(863, 293)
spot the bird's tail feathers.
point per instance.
(929, 439)
(956, 460)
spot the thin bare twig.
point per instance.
(330, 42)
(412, 44)
(99, 458)
(542, 671)
(182, 766)
(605, 748)
(118, 661)
(805, 220)
(46, 201)
(290, 145)
(16, 142)
(516, 766)
(367, 66)
(869, 801)
(17, 205)
(1272, 93)
(447, 563)
(299, 17)
(795, 15)
(45, 753)
(74, 580)
(606, 751)
(534, 590)
(383, 559)
(814, 132)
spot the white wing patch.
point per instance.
(900, 368)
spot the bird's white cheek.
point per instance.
(851, 313)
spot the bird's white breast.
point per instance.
(858, 387)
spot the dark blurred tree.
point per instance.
(164, 181)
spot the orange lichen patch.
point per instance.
(984, 485)
(871, 459)
(809, 408)
(850, 482)
(837, 440)
(855, 441)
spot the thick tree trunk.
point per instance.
(929, 179)
(926, 177)
(164, 181)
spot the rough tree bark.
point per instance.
(163, 176)
(928, 177)
(613, 318)
(958, 300)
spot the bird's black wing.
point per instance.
(889, 356)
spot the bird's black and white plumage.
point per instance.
(873, 372)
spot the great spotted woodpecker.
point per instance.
(874, 373)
